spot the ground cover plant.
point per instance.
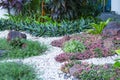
(85, 71)
(94, 46)
(73, 46)
(31, 48)
(49, 28)
(16, 71)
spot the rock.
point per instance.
(66, 76)
(15, 39)
(15, 34)
(112, 29)
(59, 43)
(74, 70)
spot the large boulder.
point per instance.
(15, 34)
(15, 38)
(112, 29)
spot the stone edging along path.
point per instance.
(46, 66)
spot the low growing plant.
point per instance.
(17, 42)
(32, 48)
(16, 71)
(85, 71)
(74, 46)
(47, 28)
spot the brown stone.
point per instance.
(15, 39)
(112, 29)
(59, 43)
(15, 34)
(74, 70)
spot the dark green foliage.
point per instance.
(47, 28)
(32, 9)
(16, 71)
(32, 48)
(72, 9)
(17, 42)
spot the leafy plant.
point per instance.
(50, 28)
(72, 9)
(74, 46)
(94, 47)
(16, 71)
(85, 71)
(117, 63)
(32, 48)
(17, 42)
(98, 28)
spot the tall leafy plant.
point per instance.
(70, 9)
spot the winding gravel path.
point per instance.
(46, 67)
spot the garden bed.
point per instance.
(85, 71)
(85, 46)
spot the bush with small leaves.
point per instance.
(16, 71)
(74, 46)
(31, 48)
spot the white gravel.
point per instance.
(45, 65)
(3, 12)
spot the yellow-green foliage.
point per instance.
(74, 46)
(98, 28)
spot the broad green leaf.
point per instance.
(117, 51)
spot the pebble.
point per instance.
(45, 65)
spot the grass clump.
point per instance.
(74, 46)
(16, 71)
(32, 48)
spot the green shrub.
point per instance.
(17, 42)
(16, 71)
(47, 28)
(101, 74)
(74, 46)
(98, 28)
(32, 48)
